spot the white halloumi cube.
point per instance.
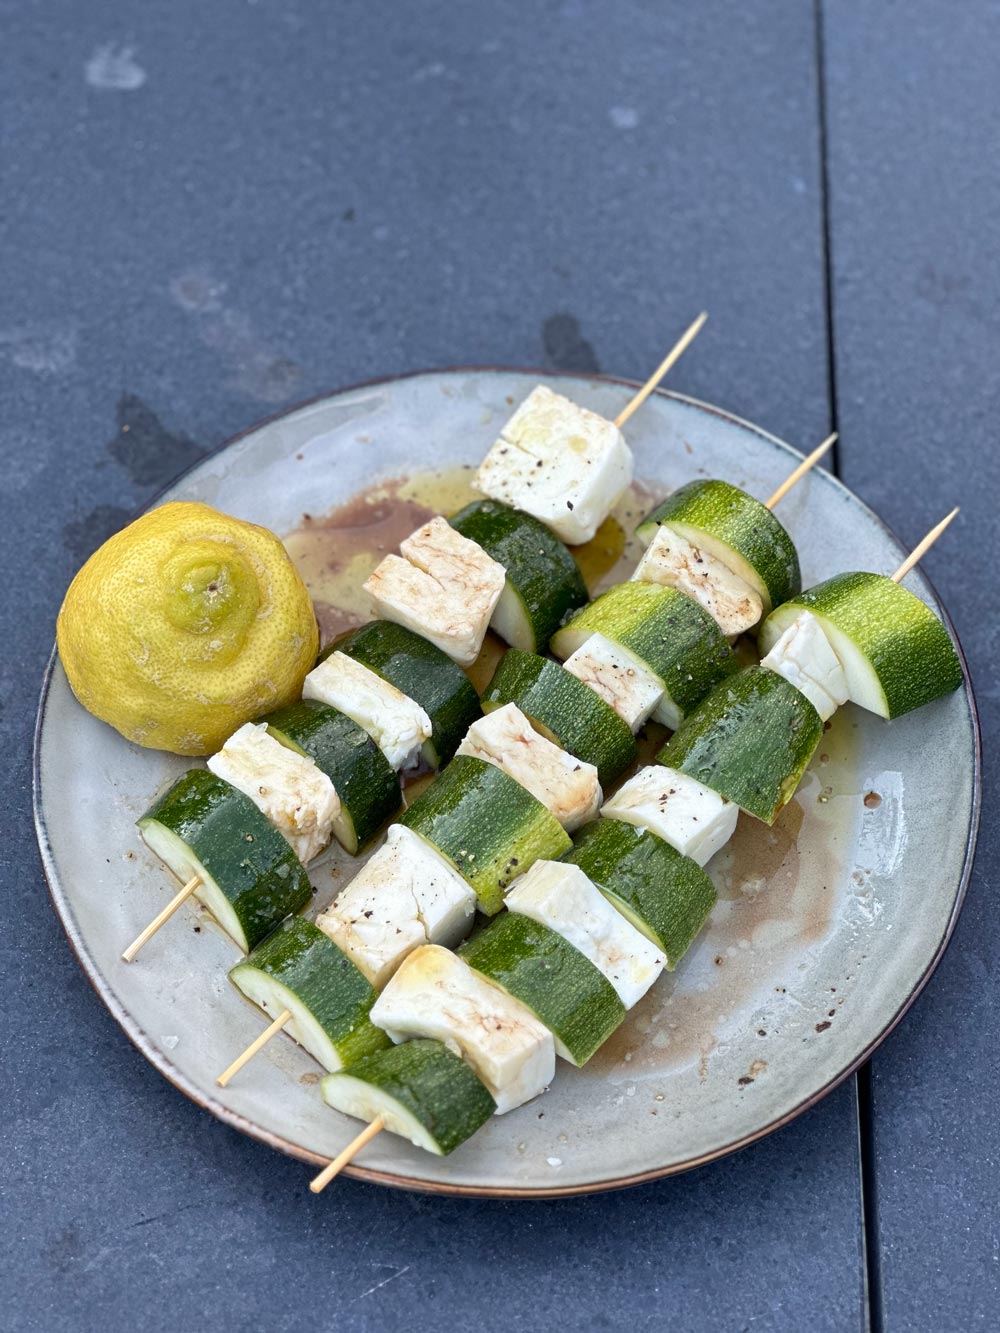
(435, 994)
(296, 796)
(396, 723)
(806, 659)
(618, 676)
(682, 811)
(443, 586)
(673, 561)
(405, 895)
(560, 896)
(557, 460)
(567, 787)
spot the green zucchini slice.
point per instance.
(423, 672)
(750, 740)
(896, 654)
(362, 776)
(300, 969)
(737, 529)
(423, 1092)
(250, 877)
(675, 637)
(562, 988)
(544, 582)
(565, 710)
(662, 893)
(487, 825)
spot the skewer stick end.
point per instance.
(922, 547)
(334, 1168)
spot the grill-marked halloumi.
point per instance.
(806, 659)
(404, 896)
(443, 586)
(557, 460)
(618, 676)
(395, 722)
(559, 895)
(677, 808)
(567, 787)
(296, 796)
(435, 994)
(672, 560)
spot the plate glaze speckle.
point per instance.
(826, 928)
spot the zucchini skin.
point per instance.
(308, 963)
(539, 567)
(433, 1084)
(365, 781)
(252, 864)
(908, 647)
(738, 520)
(750, 740)
(577, 718)
(423, 672)
(562, 988)
(668, 894)
(677, 639)
(487, 825)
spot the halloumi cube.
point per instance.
(395, 722)
(677, 808)
(557, 460)
(296, 796)
(435, 994)
(404, 896)
(560, 896)
(672, 560)
(806, 659)
(567, 787)
(618, 676)
(443, 586)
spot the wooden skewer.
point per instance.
(180, 897)
(922, 547)
(335, 1167)
(805, 466)
(258, 1045)
(674, 355)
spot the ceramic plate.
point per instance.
(826, 927)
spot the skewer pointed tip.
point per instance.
(160, 919)
(673, 356)
(805, 466)
(922, 547)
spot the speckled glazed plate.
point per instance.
(826, 928)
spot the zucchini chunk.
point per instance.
(424, 673)
(364, 779)
(560, 462)
(435, 994)
(423, 1092)
(664, 894)
(750, 741)
(559, 895)
(406, 895)
(544, 582)
(395, 722)
(565, 710)
(687, 814)
(486, 825)
(298, 968)
(896, 654)
(565, 785)
(672, 635)
(250, 877)
(562, 988)
(735, 528)
(673, 561)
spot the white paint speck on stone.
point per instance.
(623, 117)
(114, 69)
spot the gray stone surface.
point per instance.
(914, 99)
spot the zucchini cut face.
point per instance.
(250, 877)
(423, 1092)
(896, 653)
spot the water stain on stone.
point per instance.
(565, 346)
(83, 536)
(143, 446)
